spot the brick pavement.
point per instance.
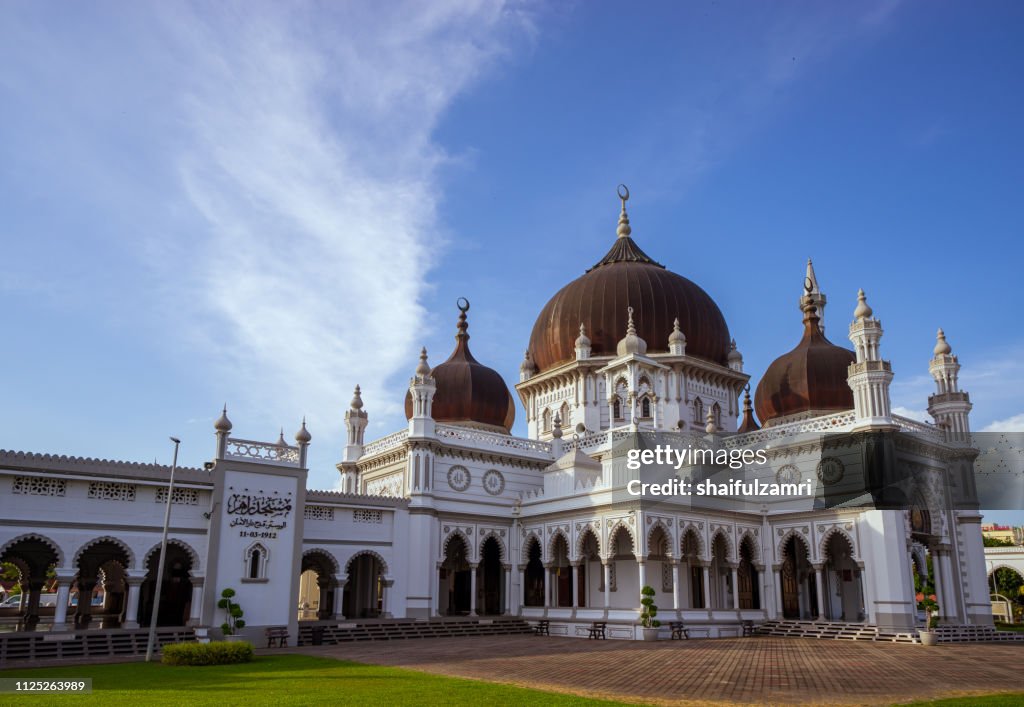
(751, 670)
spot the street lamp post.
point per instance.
(163, 556)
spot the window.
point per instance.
(255, 568)
(716, 413)
(645, 407)
(616, 408)
(547, 420)
(564, 414)
(698, 411)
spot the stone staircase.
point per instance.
(949, 633)
(402, 629)
(83, 646)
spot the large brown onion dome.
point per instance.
(468, 392)
(627, 277)
(811, 377)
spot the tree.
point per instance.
(995, 542)
(649, 610)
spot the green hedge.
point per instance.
(213, 653)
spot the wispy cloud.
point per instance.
(1010, 424)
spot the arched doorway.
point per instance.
(623, 573)
(591, 574)
(534, 574)
(490, 580)
(455, 579)
(694, 583)
(175, 589)
(34, 558)
(747, 576)
(843, 600)
(318, 587)
(363, 597)
(659, 571)
(797, 576)
(562, 583)
(100, 562)
(721, 574)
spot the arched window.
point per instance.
(547, 420)
(698, 410)
(564, 414)
(645, 407)
(716, 413)
(255, 563)
(616, 408)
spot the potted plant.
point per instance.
(233, 613)
(647, 613)
(928, 604)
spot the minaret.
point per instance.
(735, 358)
(812, 293)
(302, 438)
(677, 340)
(949, 406)
(527, 368)
(422, 388)
(223, 427)
(582, 344)
(869, 377)
(355, 424)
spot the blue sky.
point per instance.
(266, 204)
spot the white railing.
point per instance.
(392, 440)
(827, 423)
(250, 450)
(491, 439)
(908, 425)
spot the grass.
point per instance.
(1009, 699)
(1000, 626)
(277, 680)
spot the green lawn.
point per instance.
(1014, 699)
(277, 680)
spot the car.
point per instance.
(11, 602)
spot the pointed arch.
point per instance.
(613, 531)
(558, 532)
(255, 561)
(58, 552)
(530, 539)
(193, 556)
(546, 420)
(456, 533)
(730, 548)
(749, 540)
(318, 552)
(581, 540)
(120, 544)
(659, 525)
(793, 533)
(694, 535)
(823, 545)
(698, 410)
(371, 553)
(502, 550)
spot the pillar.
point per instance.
(83, 614)
(385, 599)
(575, 569)
(472, 588)
(642, 571)
(777, 572)
(60, 612)
(521, 570)
(507, 599)
(547, 586)
(735, 588)
(675, 585)
(340, 580)
(131, 611)
(195, 612)
(706, 575)
(820, 593)
(607, 584)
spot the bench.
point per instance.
(543, 628)
(596, 630)
(679, 630)
(748, 628)
(276, 633)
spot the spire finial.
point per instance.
(357, 400)
(710, 420)
(630, 329)
(423, 368)
(223, 424)
(810, 280)
(303, 436)
(463, 304)
(863, 311)
(624, 230)
(942, 347)
(556, 431)
(280, 439)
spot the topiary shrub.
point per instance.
(648, 610)
(232, 611)
(212, 653)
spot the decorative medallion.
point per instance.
(458, 478)
(830, 470)
(787, 474)
(494, 482)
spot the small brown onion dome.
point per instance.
(811, 377)
(628, 277)
(469, 392)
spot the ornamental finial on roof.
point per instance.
(423, 368)
(624, 230)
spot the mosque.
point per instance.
(452, 515)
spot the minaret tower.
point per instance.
(355, 424)
(949, 406)
(869, 377)
(812, 294)
(422, 387)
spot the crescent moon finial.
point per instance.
(463, 304)
(623, 192)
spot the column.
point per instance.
(706, 574)
(521, 569)
(83, 614)
(60, 612)
(547, 586)
(575, 569)
(195, 614)
(339, 596)
(131, 611)
(940, 579)
(675, 585)
(777, 572)
(385, 599)
(472, 588)
(507, 599)
(820, 593)
(35, 588)
(735, 588)
(642, 570)
(607, 584)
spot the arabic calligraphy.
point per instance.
(244, 504)
(259, 523)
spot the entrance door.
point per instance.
(746, 588)
(790, 590)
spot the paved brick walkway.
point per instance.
(751, 670)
